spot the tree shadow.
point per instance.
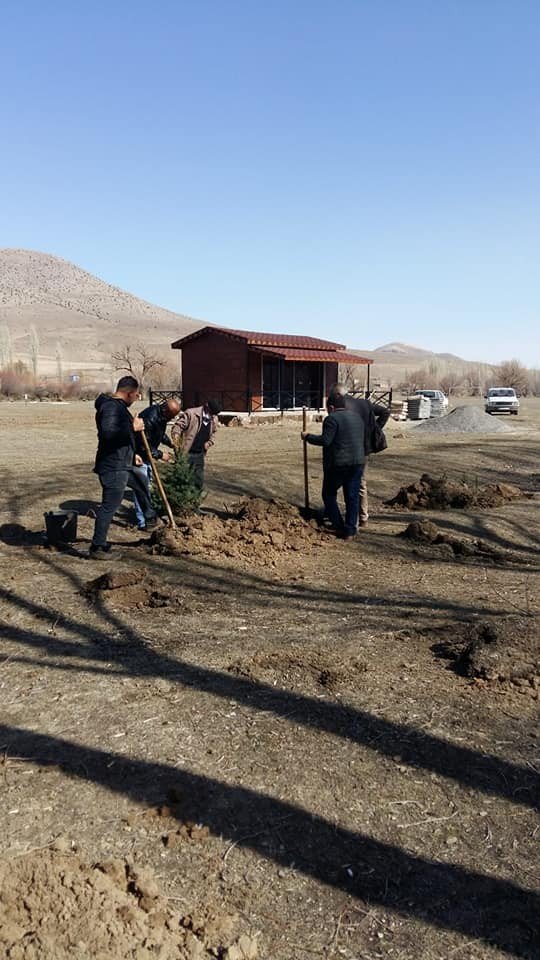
(444, 895)
(85, 507)
(134, 657)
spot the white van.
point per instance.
(502, 400)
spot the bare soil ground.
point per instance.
(334, 753)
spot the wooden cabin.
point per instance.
(248, 371)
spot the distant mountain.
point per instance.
(394, 361)
(401, 349)
(86, 315)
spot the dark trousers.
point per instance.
(348, 479)
(113, 487)
(196, 462)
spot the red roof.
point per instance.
(263, 339)
(319, 356)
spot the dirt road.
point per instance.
(357, 796)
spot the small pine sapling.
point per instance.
(180, 484)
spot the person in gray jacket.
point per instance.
(343, 444)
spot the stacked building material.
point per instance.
(437, 408)
(419, 408)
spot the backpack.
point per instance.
(378, 438)
(375, 439)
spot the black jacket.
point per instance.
(371, 414)
(342, 440)
(116, 436)
(155, 427)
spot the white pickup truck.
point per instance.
(502, 400)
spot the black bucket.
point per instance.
(61, 526)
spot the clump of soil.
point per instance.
(54, 906)
(447, 547)
(463, 420)
(440, 493)
(131, 588)
(257, 530)
(497, 653)
(297, 670)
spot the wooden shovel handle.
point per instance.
(157, 478)
(306, 479)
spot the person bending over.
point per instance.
(155, 419)
(194, 432)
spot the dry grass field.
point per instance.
(358, 795)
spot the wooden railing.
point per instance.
(273, 400)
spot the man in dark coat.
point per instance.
(115, 459)
(155, 419)
(343, 442)
(371, 414)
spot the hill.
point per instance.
(86, 315)
(90, 318)
(394, 362)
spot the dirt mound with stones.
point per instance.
(53, 906)
(463, 420)
(295, 669)
(260, 531)
(435, 544)
(483, 651)
(440, 493)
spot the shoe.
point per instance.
(104, 553)
(142, 527)
(363, 523)
(151, 524)
(346, 537)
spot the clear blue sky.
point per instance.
(365, 170)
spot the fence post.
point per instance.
(150, 398)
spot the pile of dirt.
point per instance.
(294, 669)
(440, 493)
(54, 906)
(439, 545)
(509, 652)
(257, 530)
(463, 420)
(131, 588)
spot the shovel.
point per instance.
(157, 478)
(306, 478)
(306, 511)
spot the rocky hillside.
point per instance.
(87, 316)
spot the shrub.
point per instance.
(181, 488)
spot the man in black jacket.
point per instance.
(371, 414)
(343, 443)
(116, 456)
(155, 418)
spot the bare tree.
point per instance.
(6, 348)
(59, 356)
(34, 350)
(137, 360)
(534, 382)
(512, 373)
(450, 381)
(351, 375)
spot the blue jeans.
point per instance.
(348, 478)
(146, 472)
(113, 486)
